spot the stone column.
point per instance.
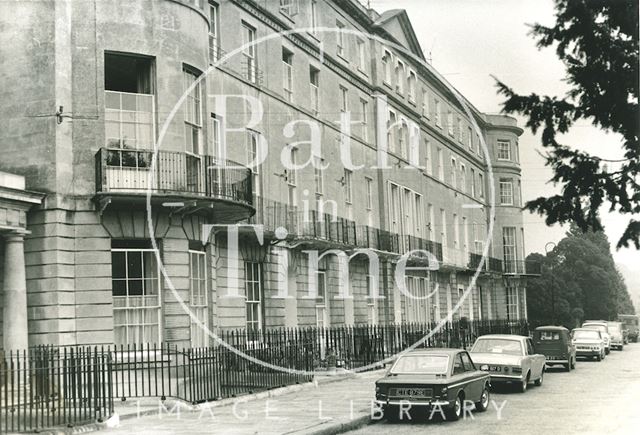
(15, 330)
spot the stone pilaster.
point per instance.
(15, 329)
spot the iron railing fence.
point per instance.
(174, 173)
(48, 386)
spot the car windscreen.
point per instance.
(498, 345)
(614, 328)
(595, 326)
(422, 364)
(548, 335)
(586, 335)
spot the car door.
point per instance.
(475, 384)
(537, 360)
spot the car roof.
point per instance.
(435, 351)
(504, 336)
(595, 321)
(584, 329)
(551, 328)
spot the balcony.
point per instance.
(327, 228)
(273, 214)
(186, 180)
(491, 264)
(522, 267)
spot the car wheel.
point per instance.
(539, 381)
(483, 404)
(599, 358)
(573, 363)
(525, 383)
(455, 412)
(567, 366)
(607, 351)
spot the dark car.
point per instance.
(554, 342)
(427, 378)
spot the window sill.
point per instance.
(363, 72)
(287, 16)
(342, 57)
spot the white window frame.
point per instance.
(289, 8)
(253, 138)
(369, 192)
(287, 74)
(387, 66)
(411, 84)
(440, 164)
(348, 186)
(428, 156)
(259, 302)
(127, 308)
(199, 303)
(364, 106)
(437, 113)
(314, 88)
(506, 191)
(362, 55)
(249, 52)
(314, 16)
(344, 99)
(192, 113)
(400, 77)
(454, 173)
(322, 298)
(214, 37)
(513, 302)
(425, 103)
(318, 175)
(473, 182)
(504, 150)
(340, 46)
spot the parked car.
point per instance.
(600, 325)
(430, 378)
(617, 337)
(509, 359)
(630, 322)
(554, 342)
(589, 343)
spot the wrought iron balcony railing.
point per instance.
(173, 174)
(491, 264)
(522, 267)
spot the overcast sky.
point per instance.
(469, 40)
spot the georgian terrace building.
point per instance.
(92, 86)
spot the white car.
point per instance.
(509, 359)
(601, 326)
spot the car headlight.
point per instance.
(484, 367)
(443, 390)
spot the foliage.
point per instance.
(579, 281)
(597, 40)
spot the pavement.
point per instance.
(327, 406)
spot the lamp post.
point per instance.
(549, 247)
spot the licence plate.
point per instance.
(412, 392)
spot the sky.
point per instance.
(470, 40)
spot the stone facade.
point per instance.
(72, 58)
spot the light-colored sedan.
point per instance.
(509, 359)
